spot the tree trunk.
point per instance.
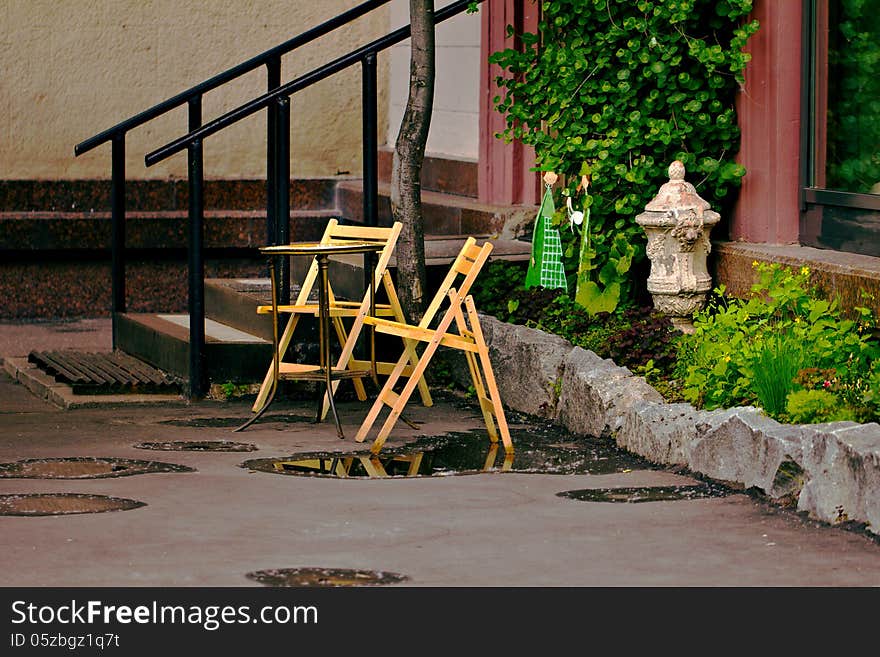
(406, 168)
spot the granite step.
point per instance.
(444, 214)
(162, 340)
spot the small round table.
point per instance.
(324, 372)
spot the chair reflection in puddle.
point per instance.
(468, 339)
(373, 466)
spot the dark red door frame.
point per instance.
(504, 176)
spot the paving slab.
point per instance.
(213, 526)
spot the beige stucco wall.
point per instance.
(455, 118)
(72, 68)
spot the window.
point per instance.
(842, 126)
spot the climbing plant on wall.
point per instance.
(623, 88)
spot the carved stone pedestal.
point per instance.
(678, 222)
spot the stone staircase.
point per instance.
(238, 341)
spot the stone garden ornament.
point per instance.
(677, 223)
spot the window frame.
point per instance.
(813, 98)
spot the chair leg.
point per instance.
(385, 397)
(358, 384)
(477, 379)
(486, 405)
(494, 398)
(409, 346)
(403, 397)
(266, 386)
(346, 359)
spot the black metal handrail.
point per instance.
(193, 99)
(277, 103)
(300, 83)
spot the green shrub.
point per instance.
(783, 338)
(813, 406)
(777, 360)
(869, 409)
(496, 285)
(631, 337)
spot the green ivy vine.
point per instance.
(620, 89)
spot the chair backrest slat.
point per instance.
(473, 252)
(336, 233)
(467, 256)
(445, 286)
(473, 269)
(366, 233)
(469, 262)
(464, 266)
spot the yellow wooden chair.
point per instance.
(469, 340)
(335, 233)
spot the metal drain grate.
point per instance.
(59, 504)
(102, 373)
(327, 577)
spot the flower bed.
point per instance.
(785, 349)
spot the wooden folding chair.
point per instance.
(468, 263)
(359, 311)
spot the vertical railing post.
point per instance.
(282, 190)
(117, 232)
(273, 75)
(196, 264)
(370, 143)
(370, 140)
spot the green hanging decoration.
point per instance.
(602, 294)
(545, 266)
(580, 220)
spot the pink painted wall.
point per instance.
(504, 177)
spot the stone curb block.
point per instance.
(842, 466)
(596, 393)
(743, 446)
(528, 365)
(661, 432)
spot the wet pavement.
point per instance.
(564, 511)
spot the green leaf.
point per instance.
(608, 273)
(594, 300)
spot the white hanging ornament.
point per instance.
(575, 217)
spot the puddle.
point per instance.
(232, 422)
(57, 504)
(327, 577)
(198, 446)
(84, 468)
(645, 494)
(544, 450)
